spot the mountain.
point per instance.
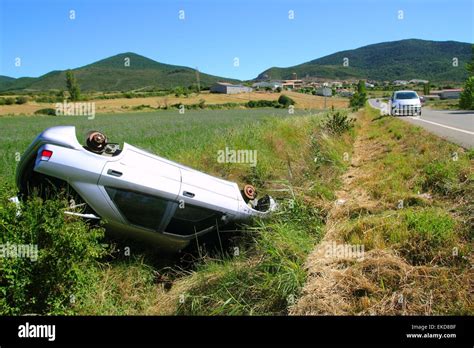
(112, 74)
(397, 60)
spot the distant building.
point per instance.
(324, 91)
(400, 82)
(228, 88)
(450, 93)
(369, 85)
(418, 81)
(431, 97)
(345, 93)
(264, 84)
(292, 84)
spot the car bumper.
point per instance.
(407, 110)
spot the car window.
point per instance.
(139, 208)
(406, 95)
(191, 219)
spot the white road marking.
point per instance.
(442, 125)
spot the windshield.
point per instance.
(406, 95)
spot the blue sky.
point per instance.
(259, 32)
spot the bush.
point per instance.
(338, 122)
(21, 100)
(467, 96)
(286, 101)
(9, 101)
(66, 254)
(49, 99)
(262, 103)
(47, 111)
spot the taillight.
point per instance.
(46, 155)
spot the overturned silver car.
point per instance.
(136, 193)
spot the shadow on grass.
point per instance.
(380, 117)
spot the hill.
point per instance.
(111, 74)
(405, 59)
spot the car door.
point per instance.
(203, 201)
(142, 188)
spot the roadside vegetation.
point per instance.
(408, 200)
(467, 96)
(257, 271)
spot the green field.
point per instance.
(271, 255)
(166, 133)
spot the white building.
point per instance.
(228, 88)
(264, 84)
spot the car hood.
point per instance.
(402, 102)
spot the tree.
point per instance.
(470, 66)
(426, 89)
(21, 100)
(285, 100)
(467, 96)
(359, 98)
(361, 87)
(72, 86)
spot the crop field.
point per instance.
(125, 105)
(179, 137)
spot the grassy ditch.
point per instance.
(257, 271)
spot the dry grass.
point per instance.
(402, 271)
(382, 283)
(303, 101)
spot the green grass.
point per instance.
(448, 104)
(412, 161)
(268, 274)
(423, 246)
(166, 133)
(422, 235)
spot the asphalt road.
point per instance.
(455, 126)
